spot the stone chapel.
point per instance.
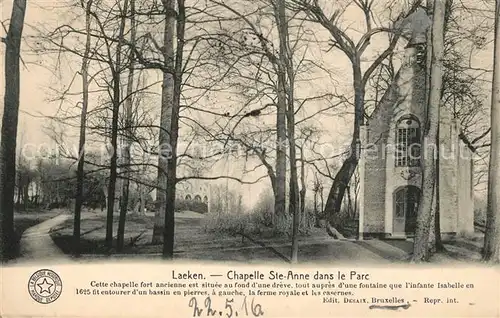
(389, 165)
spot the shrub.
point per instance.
(263, 210)
(227, 223)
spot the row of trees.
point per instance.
(234, 75)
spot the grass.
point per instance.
(138, 234)
(193, 239)
(93, 234)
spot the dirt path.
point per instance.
(37, 245)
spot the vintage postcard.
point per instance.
(250, 158)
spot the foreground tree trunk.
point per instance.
(344, 175)
(167, 100)
(116, 72)
(286, 80)
(435, 242)
(169, 228)
(83, 123)
(431, 242)
(425, 221)
(9, 128)
(491, 250)
(280, 180)
(128, 134)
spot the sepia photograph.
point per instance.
(252, 131)
(250, 158)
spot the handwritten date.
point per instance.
(253, 309)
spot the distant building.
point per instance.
(194, 189)
(389, 166)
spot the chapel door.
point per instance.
(406, 202)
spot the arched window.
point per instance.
(188, 197)
(408, 142)
(197, 198)
(205, 199)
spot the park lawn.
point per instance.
(192, 241)
(189, 236)
(93, 234)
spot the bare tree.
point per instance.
(354, 51)
(128, 132)
(168, 232)
(281, 119)
(265, 63)
(286, 90)
(9, 127)
(115, 66)
(83, 122)
(167, 100)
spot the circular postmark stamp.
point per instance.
(45, 286)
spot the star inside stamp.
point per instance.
(45, 286)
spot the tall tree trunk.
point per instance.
(168, 232)
(9, 128)
(128, 133)
(431, 242)
(435, 242)
(116, 72)
(491, 250)
(286, 78)
(281, 143)
(167, 100)
(280, 181)
(83, 123)
(344, 175)
(303, 190)
(425, 221)
(438, 242)
(294, 185)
